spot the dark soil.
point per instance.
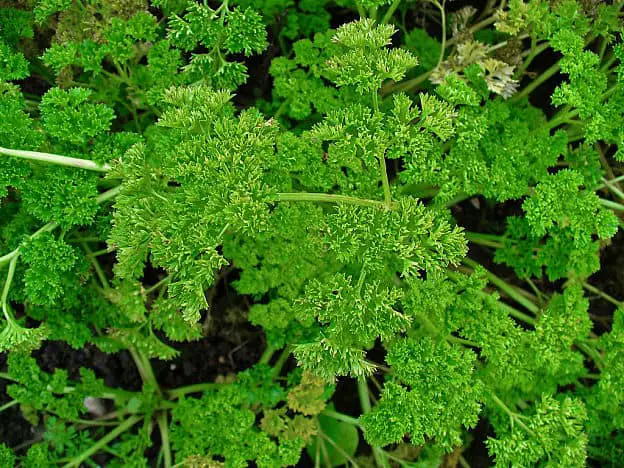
(231, 344)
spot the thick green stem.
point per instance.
(429, 325)
(56, 159)
(390, 11)
(360, 9)
(382, 164)
(534, 53)
(612, 181)
(602, 294)
(612, 205)
(267, 355)
(515, 313)
(544, 76)
(281, 360)
(341, 417)
(6, 288)
(339, 450)
(196, 388)
(96, 265)
(484, 239)
(592, 353)
(564, 117)
(511, 414)
(11, 255)
(154, 287)
(8, 405)
(385, 181)
(365, 403)
(108, 195)
(504, 287)
(163, 427)
(327, 198)
(145, 369)
(112, 435)
(460, 197)
(443, 15)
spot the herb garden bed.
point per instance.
(368, 233)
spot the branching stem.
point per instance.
(443, 16)
(163, 427)
(328, 198)
(544, 76)
(102, 198)
(6, 289)
(112, 435)
(504, 287)
(514, 416)
(378, 453)
(602, 294)
(388, 15)
(196, 388)
(56, 159)
(341, 417)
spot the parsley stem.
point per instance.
(591, 353)
(611, 204)
(108, 195)
(96, 265)
(8, 405)
(478, 238)
(460, 197)
(535, 51)
(196, 388)
(112, 435)
(281, 360)
(321, 443)
(328, 198)
(429, 325)
(341, 417)
(365, 403)
(162, 282)
(267, 355)
(400, 461)
(9, 257)
(163, 427)
(385, 181)
(388, 15)
(56, 159)
(504, 287)
(145, 368)
(360, 9)
(518, 297)
(443, 16)
(544, 76)
(6, 288)
(339, 449)
(515, 313)
(602, 294)
(611, 181)
(511, 414)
